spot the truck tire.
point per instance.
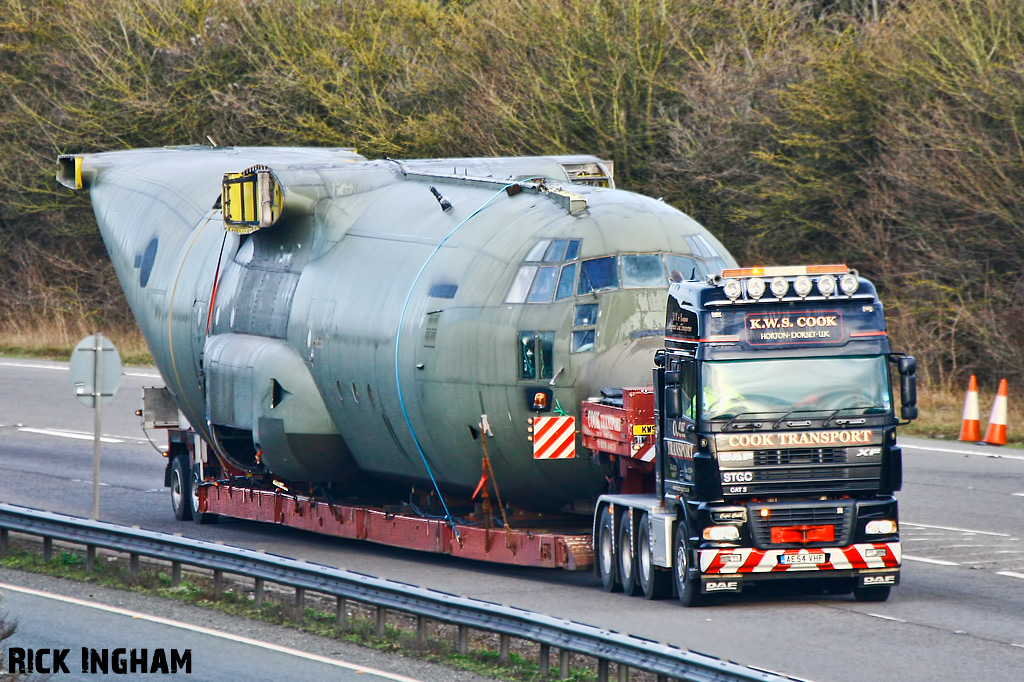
(687, 588)
(605, 552)
(199, 517)
(653, 583)
(876, 593)
(181, 489)
(627, 562)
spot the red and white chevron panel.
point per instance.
(644, 450)
(749, 560)
(554, 437)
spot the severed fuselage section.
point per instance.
(325, 318)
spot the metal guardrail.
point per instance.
(667, 662)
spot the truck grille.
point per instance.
(827, 514)
(800, 456)
(806, 470)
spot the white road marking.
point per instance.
(1018, 494)
(59, 368)
(212, 633)
(960, 530)
(994, 453)
(878, 615)
(923, 560)
(81, 435)
(28, 365)
(1011, 574)
(70, 434)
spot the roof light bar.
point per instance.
(786, 271)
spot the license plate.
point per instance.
(799, 559)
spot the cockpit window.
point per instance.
(572, 251)
(536, 352)
(642, 270)
(543, 285)
(536, 283)
(565, 282)
(521, 284)
(682, 268)
(555, 252)
(538, 250)
(599, 274)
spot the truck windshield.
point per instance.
(732, 388)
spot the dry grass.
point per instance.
(942, 413)
(54, 340)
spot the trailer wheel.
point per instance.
(627, 563)
(199, 517)
(875, 593)
(654, 583)
(605, 552)
(687, 588)
(181, 489)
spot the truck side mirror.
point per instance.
(907, 366)
(674, 398)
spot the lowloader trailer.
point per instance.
(764, 450)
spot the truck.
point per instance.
(763, 450)
(774, 453)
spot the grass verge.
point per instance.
(319, 617)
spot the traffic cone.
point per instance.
(971, 429)
(996, 434)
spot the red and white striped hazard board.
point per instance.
(554, 437)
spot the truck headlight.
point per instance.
(880, 527)
(722, 533)
(755, 287)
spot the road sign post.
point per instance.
(95, 370)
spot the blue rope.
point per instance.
(398, 341)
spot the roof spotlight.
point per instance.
(849, 284)
(732, 289)
(827, 285)
(802, 285)
(755, 287)
(779, 287)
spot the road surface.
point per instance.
(959, 612)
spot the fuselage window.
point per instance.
(642, 270)
(599, 274)
(536, 355)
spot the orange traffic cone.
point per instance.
(996, 434)
(971, 429)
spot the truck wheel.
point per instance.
(605, 554)
(627, 565)
(876, 593)
(654, 583)
(199, 517)
(687, 588)
(181, 489)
